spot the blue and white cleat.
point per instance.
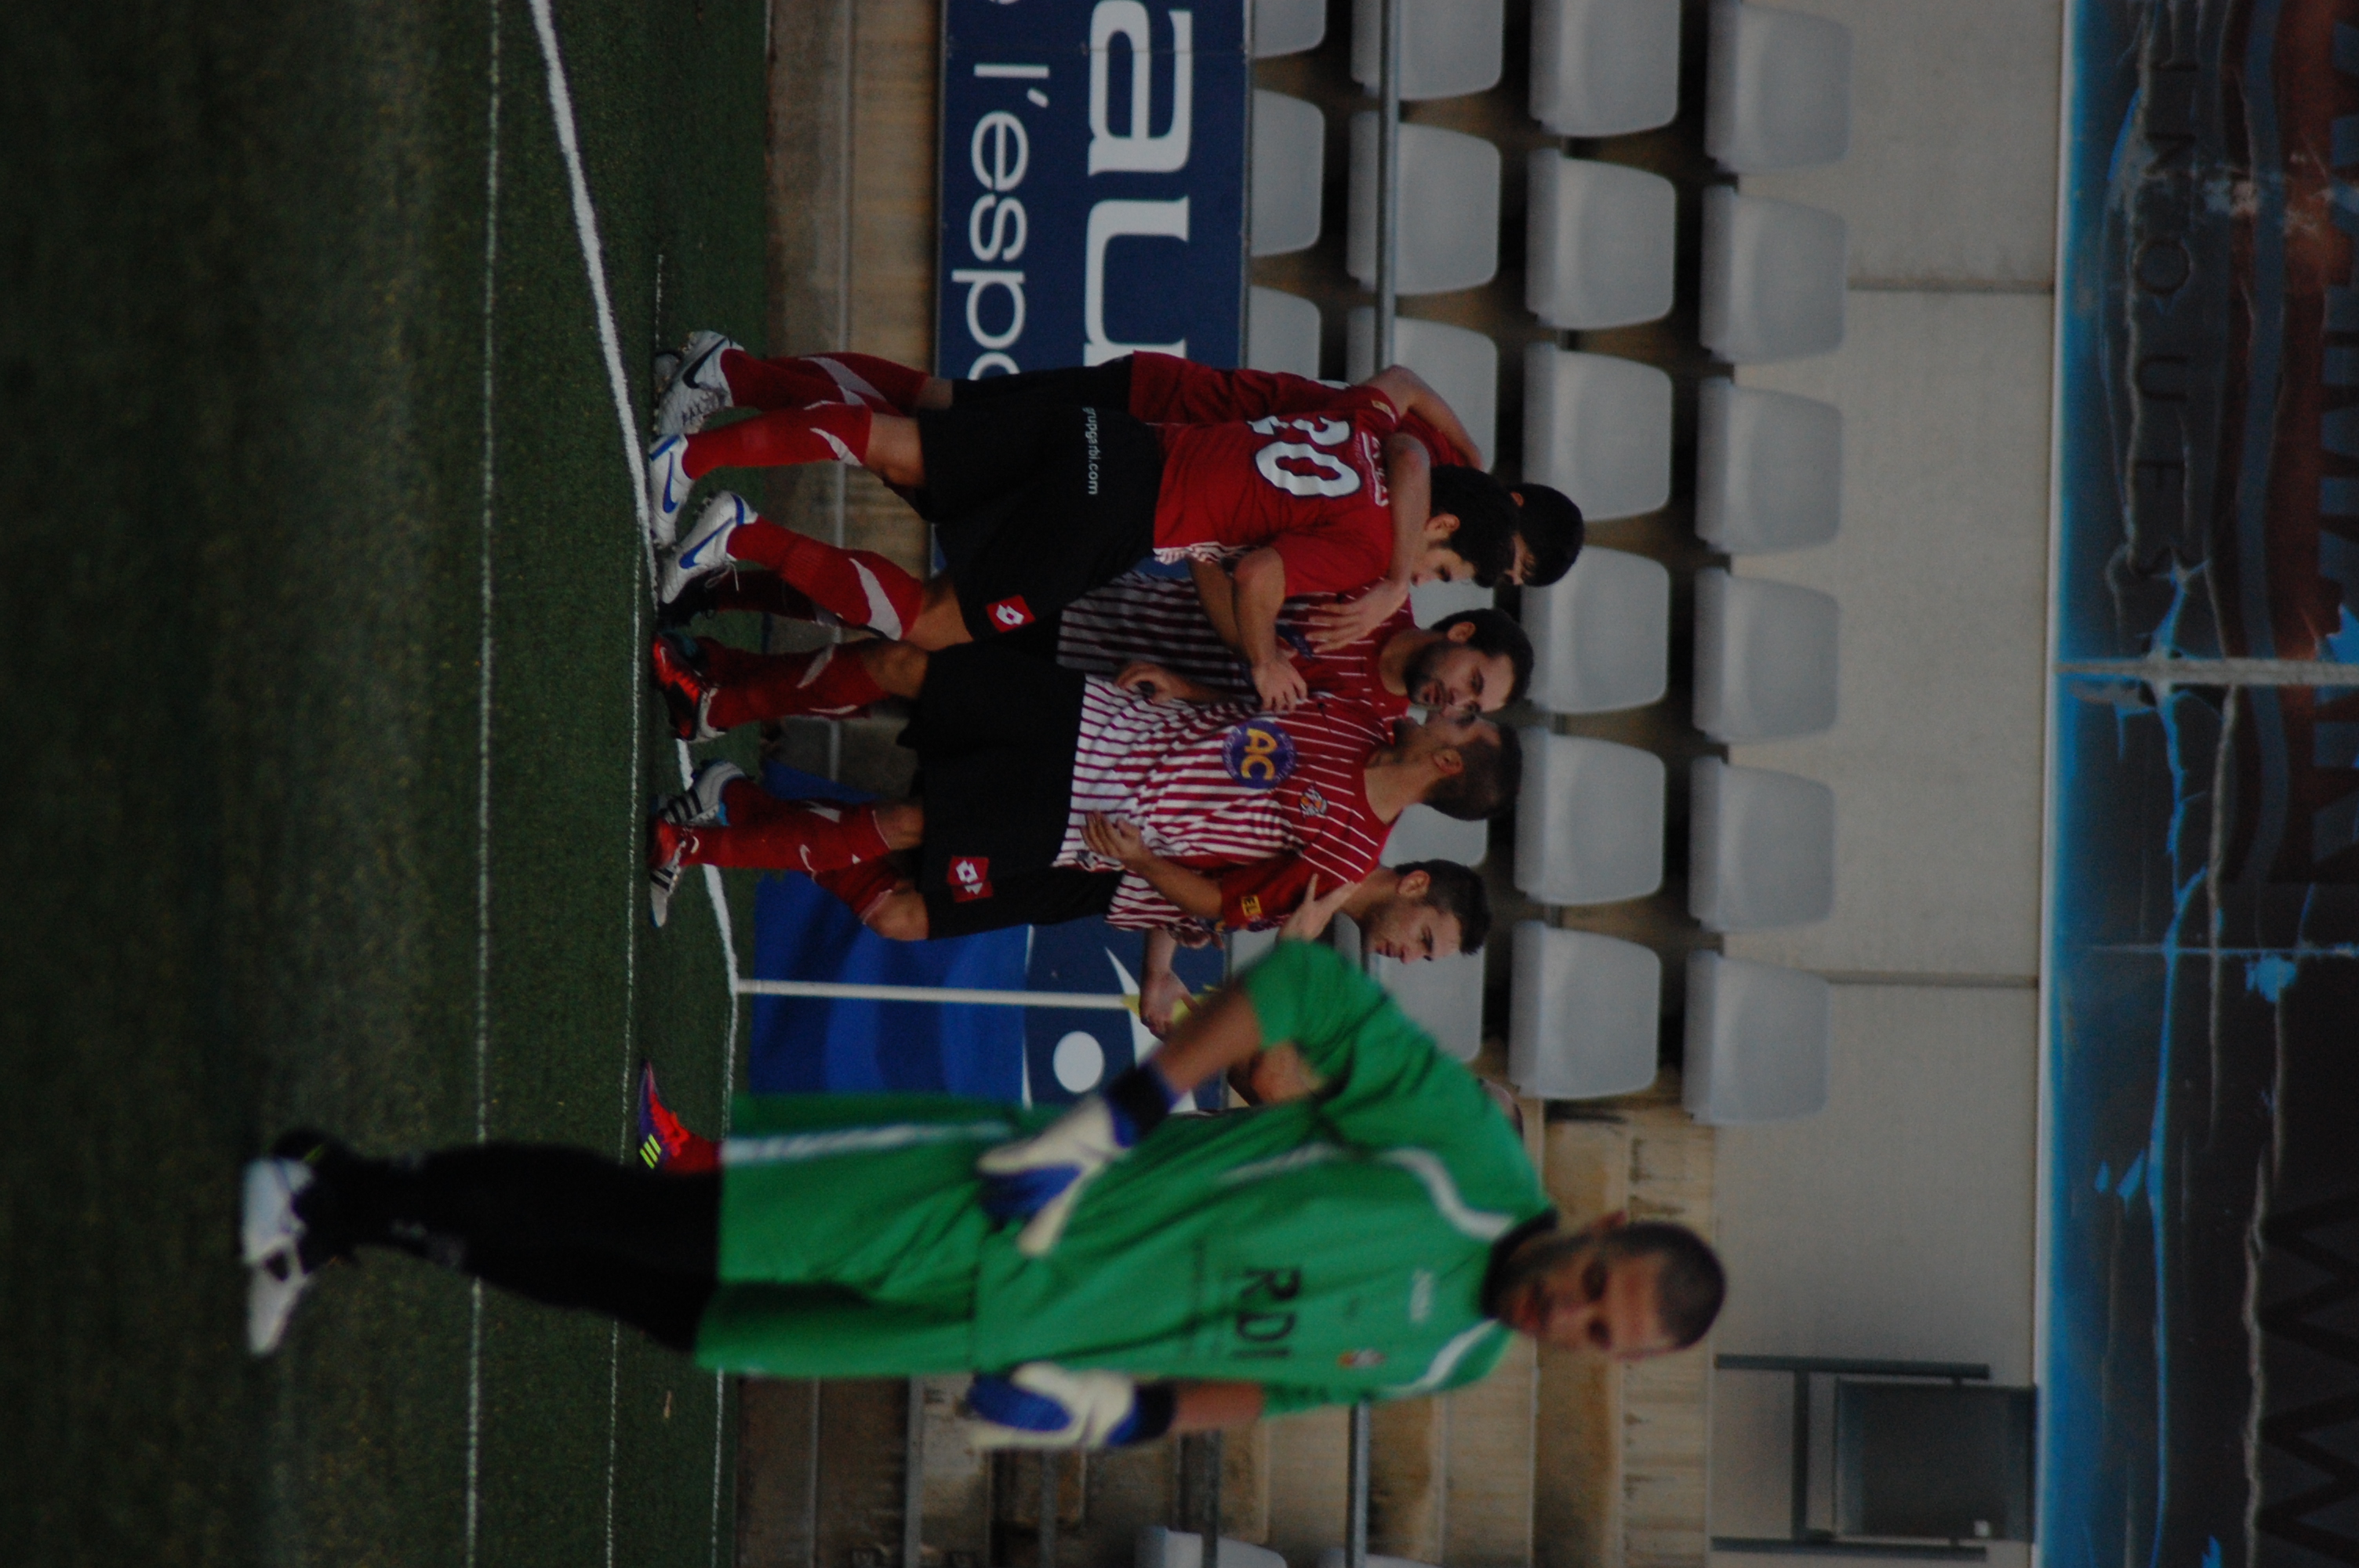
(704, 550)
(697, 390)
(667, 487)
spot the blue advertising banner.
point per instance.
(1092, 183)
(2201, 1371)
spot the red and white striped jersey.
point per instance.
(1225, 786)
(1162, 619)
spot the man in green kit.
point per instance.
(1114, 1273)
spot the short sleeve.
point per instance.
(1262, 893)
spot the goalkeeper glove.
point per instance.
(1039, 1179)
(1040, 1405)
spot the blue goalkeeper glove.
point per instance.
(1040, 1405)
(1039, 1179)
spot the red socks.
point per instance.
(787, 835)
(859, 587)
(881, 383)
(831, 682)
(863, 887)
(826, 432)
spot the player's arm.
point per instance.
(1260, 579)
(1219, 593)
(1408, 474)
(1160, 988)
(1409, 392)
(1197, 895)
(1210, 1406)
(1043, 1405)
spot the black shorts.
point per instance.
(1094, 386)
(1034, 505)
(995, 731)
(1050, 897)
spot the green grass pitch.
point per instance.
(246, 280)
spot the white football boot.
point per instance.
(699, 806)
(271, 1234)
(704, 549)
(667, 489)
(698, 389)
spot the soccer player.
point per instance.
(1113, 1274)
(1016, 756)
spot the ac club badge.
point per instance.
(1258, 754)
(970, 877)
(1009, 613)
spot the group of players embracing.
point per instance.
(1178, 755)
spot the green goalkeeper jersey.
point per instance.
(1329, 1248)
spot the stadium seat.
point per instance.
(1604, 68)
(1589, 821)
(1598, 428)
(1247, 948)
(1282, 333)
(1761, 848)
(1464, 366)
(1333, 1558)
(1601, 634)
(1160, 1548)
(1768, 468)
(1441, 996)
(1773, 279)
(1288, 26)
(1757, 1041)
(1764, 667)
(1433, 601)
(1777, 89)
(1425, 834)
(1289, 169)
(1584, 1013)
(1599, 248)
(1448, 47)
(1449, 209)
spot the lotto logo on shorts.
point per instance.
(1009, 613)
(970, 877)
(1258, 754)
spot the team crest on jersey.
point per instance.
(1357, 1359)
(1009, 613)
(970, 877)
(1258, 754)
(1312, 803)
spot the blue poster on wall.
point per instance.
(1093, 177)
(2200, 1372)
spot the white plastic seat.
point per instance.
(1604, 68)
(1776, 90)
(1449, 209)
(1768, 468)
(1584, 1014)
(1425, 834)
(1441, 996)
(1589, 821)
(1773, 279)
(1288, 26)
(1761, 848)
(1289, 169)
(1757, 1042)
(1764, 665)
(1160, 1548)
(1599, 251)
(1448, 47)
(1601, 634)
(1463, 365)
(1282, 333)
(1598, 428)
(1433, 601)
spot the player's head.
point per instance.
(1477, 766)
(1439, 909)
(1550, 533)
(1479, 666)
(1470, 530)
(1613, 1288)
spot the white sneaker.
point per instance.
(699, 806)
(704, 549)
(698, 389)
(271, 1234)
(667, 487)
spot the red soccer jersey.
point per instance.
(1309, 486)
(1165, 390)
(1218, 787)
(1163, 619)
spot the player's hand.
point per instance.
(1041, 1178)
(1112, 838)
(1333, 625)
(1160, 993)
(1312, 916)
(1280, 684)
(1040, 1405)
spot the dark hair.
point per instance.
(1487, 524)
(1691, 1284)
(1552, 530)
(1495, 632)
(1487, 783)
(1456, 890)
